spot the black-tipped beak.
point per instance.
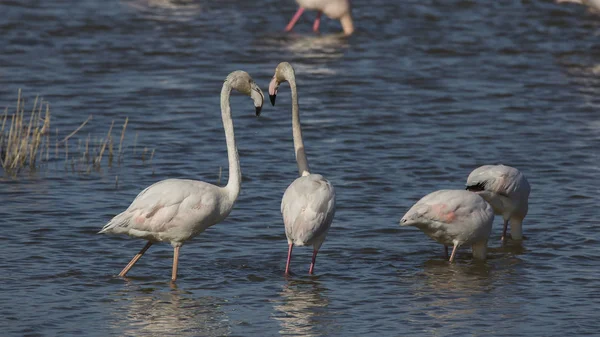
(272, 98)
(258, 109)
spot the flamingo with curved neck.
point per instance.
(453, 217)
(176, 210)
(507, 190)
(308, 204)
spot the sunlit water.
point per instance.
(424, 92)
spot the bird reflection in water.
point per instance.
(302, 309)
(451, 293)
(165, 10)
(317, 51)
(326, 47)
(151, 312)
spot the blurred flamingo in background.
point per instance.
(593, 4)
(334, 9)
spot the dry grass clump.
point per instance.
(25, 142)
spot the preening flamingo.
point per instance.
(507, 190)
(453, 217)
(176, 210)
(308, 204)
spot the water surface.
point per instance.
(424, 92)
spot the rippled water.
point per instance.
(424, 92)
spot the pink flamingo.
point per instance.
(507, 190)
(453, 218)
(334, 9)
(308, 204)
(176, 210)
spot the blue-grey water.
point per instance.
(424, 92)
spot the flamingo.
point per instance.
(507, 190)
(453, 217)
(176, 210)
(593, 4)
(334, 9)
(308, 204)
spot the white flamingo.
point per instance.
(593, 4)
(176, 210)
(453, 217)
(507, 190)
(308, 204)
(334, 9)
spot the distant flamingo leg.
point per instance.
(446, 251)
(504, 230)
(294, 19)
(289, 259)
(175, 263)
(135, 259)
(312, 263)
(317, 23)
(453, 253)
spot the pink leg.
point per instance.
(135, 259)
(453, 253)
(312, 264)
(294, 19)
(504, 230)
(289, 259)
(175, 264)
(317, 23)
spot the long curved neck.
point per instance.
(297, 131)
(234, 182)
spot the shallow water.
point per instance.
(424, 92)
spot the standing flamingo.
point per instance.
(308, 204)
(176, 210)
(334, 9)
(453, 217)
(507, 190)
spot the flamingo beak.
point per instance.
(273, 86)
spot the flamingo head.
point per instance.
(284, 72)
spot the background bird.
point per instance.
(308, 204)
(453, 217)
(333, 9)
(507, 190)
(176, 210)
(592, 4)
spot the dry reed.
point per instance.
(25, 142)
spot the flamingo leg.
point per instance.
(289, 259)
(294, 19)
(135, 259)
(504, 230)
(453, 253)
(317, 23)
(312, 263)
(175, 263)
(446, 251)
